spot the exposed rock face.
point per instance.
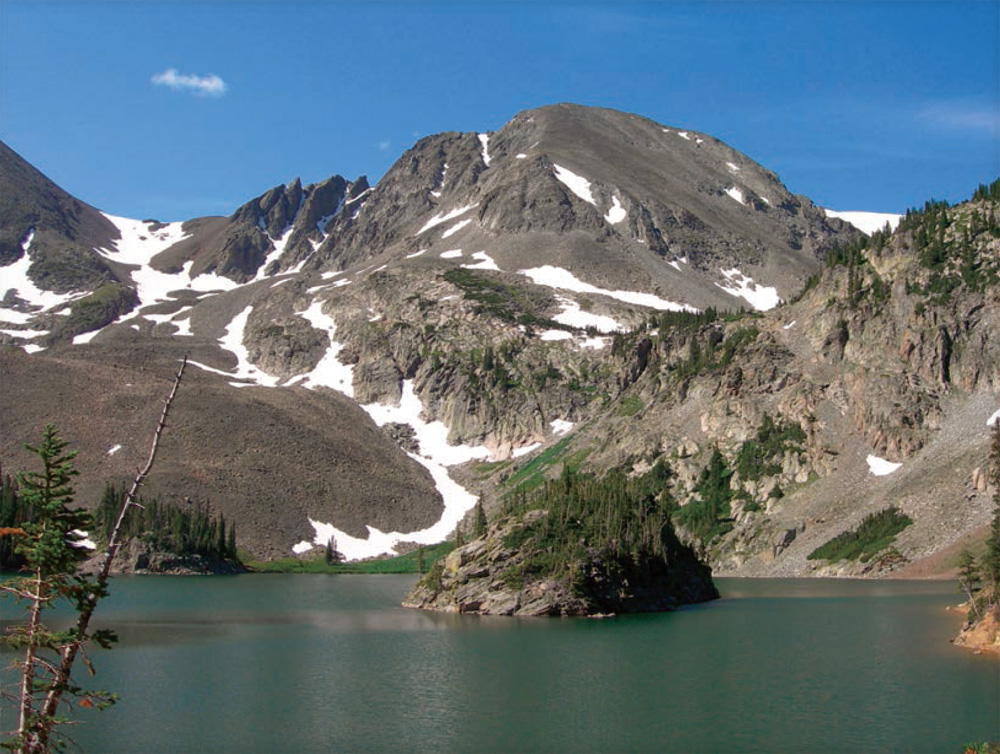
(289, 222)
(518, 284)
(63, 230)
(652, 197)
(477, 578)
(983, 634)
(138, 557)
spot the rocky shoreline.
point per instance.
(981, 635)
(141, 558)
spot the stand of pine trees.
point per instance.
(183, 529)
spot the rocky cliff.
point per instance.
(366, 360)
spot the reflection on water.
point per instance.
(331, 663)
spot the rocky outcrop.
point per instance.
(64, 231)
(139, 557)
(491, 576)
(450, 279)
(981, 635)
(292, 219)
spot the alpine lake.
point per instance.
(331, 663)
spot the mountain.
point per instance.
(366, 361)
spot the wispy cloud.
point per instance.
(384, 145)
(204, 86)
(962, 116)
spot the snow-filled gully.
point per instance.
(435, 453)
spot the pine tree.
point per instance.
(332, 556)
(969, 577)
(478, 520)
(991, 558)
(50, 547)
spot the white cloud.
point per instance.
(962, 116)
(206, 86)
(383, 145)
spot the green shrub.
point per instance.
(875, 533)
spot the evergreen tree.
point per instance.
(969, 578)
(478, 520)
(332, 556)
(13, 514)
(50, 547)
(991, 558)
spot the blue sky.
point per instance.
(179, 109)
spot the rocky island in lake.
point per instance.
(582, 545)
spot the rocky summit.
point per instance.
(582, 289)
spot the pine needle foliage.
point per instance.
(186, 528)
(874, 534)
(50, 546)
(708, 515)
(762, 455)
(614, 517)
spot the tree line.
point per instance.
(187, 528)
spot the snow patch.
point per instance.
(992, 421)
(867, 222)
(760, 297)
(485, 262)
(880, 466)
(733, 167)
(80, 538)
(435, 455)
(557, 277)
(444, 217)
(12, 316)
(617, 212)
(15, 278)
(525, 449)
(84, 337)
(114, 449)
(455, 228)
(520, 156)
(553, 335)
(684, 135)
(576, 183)
(329, 372)
(573, 316)
(279, 248)
(790, 325)
(560, 426)
(139, 243)
(451, 254)
(595, 343)
(416, 254)
(232, 341)
(484, 139)
(736, 194)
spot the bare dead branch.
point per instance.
(70, 651)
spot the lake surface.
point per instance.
(277, 663)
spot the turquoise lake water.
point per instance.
(312, 663)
